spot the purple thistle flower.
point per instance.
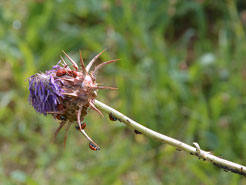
(67, 94)
(45, 92)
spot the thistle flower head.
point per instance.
(66, 93)
(45, 92)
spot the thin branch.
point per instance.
(195, 151)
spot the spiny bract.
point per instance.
(67, 93)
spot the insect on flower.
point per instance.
(72, 73)
(111, 117)
(61, 72)
(137, 132)
(67, 94)
(83, 125)
(93, 146)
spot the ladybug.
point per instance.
(83, 125)
(61, 117)
(61, 72)
(72, 73)
(112, 118)
(93, 146)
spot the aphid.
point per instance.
(61, 72)
(93, 146)
(68, 99)
(112, 117)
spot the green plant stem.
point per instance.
(195, 151)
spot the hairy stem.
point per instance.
(195, 151)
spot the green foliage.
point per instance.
(182, 73)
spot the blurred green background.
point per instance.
(182, 73)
